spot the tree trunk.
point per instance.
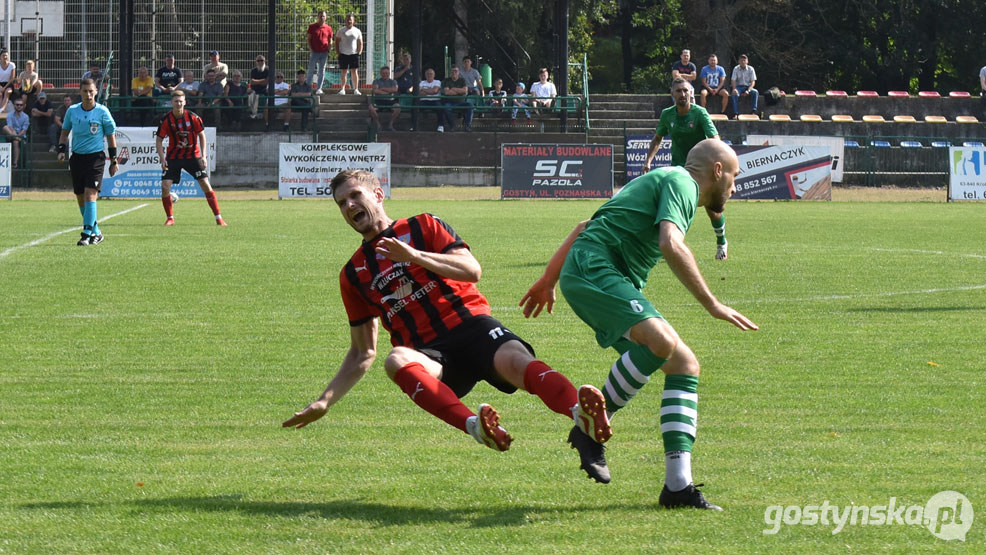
(461, 44)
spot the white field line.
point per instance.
(12, 250)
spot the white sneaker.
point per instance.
(441, 128)
(590, 414)
(357, 93)
(485, 428)
(342, 91)
(721, 253)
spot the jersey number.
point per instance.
(495, 332)
(636, 306)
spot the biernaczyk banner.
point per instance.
(556, 171)
(5, 153)
(837, 144)
(635, 154)
(966, 173)
(139, 174)
(306, 169)
(777, 172)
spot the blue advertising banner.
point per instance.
(784, 172)
(635, 154)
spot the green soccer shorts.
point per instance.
(603, 297)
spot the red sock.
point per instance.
(551, 386)
(211, 198)
(166, 201)
(432, 395)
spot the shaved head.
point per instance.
(714, 165)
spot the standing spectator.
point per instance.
(982, 85)
(96, 74)
(186, 151)
(743, 79)
(404, 75)
(319, 39)
(714, 82)
(43, 113)
(498, 96)
(142, 89)
(167, 78)
(90, 124)
(474, 81)
(543, 91)
(301, 100)
(349, 47)
(259, 77)
(455, 88)
(282, 90)
(235, 94)
(520, 100)
(385, 87)
(190, 87)
(8, 73)
(211, 97)
(221, 69)
(16, 129)
(684, 68)
(30, 83)
(430, 99)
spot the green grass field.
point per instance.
(143, 382)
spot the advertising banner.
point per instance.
(635, 154)
(139, 173)
(5, 154)
(789, 172)
(306, 169)
(556, 171)
(836, 144)
(966, 173)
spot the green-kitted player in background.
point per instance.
(687, 124)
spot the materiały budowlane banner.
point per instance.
(784, 172)
(966, 173)
(836, 144)
(139, 173)
(305, 170)
(635, 154)
(5, 155)
(556, 171)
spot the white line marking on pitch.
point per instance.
(921, 251)
(12, 250)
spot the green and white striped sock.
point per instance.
(720, 228)
(679, 412)
(628, 375)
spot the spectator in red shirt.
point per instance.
(319, 39)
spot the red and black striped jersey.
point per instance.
(183, 135)
(415, 304)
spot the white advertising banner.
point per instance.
(139, 173)
(966, 173)
(5, 154)
(837, 146)
(306, 169)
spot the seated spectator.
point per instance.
(30, 83)
(684, 68)
(16, 129)
(982, 85)
(430, 98)
(713, 78)
(281, 92)
(235, 95)
(455, 87)
(8, 75)
(520, 100)
(387, 88)
(211, 97)
(190, 87)
(498, 96)
(43, 113)
(259, 77)
(744, 77)
(221, 69)
(543, 91)
(142, 89)
(301, 100)
(167, 79)
(474, 81)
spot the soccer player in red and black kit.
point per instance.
(418, 277)
(186, 151)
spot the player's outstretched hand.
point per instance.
(305, 417)
(539, 296)
(726, 313)
(395, 250)
(164, 163)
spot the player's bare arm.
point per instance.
(541, 295)
(458, 264)
(682, 263)
(114, 165)
(655, 144)
(362, 352)
(63, 145)
(159, 142)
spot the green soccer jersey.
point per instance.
(625, 228)
(686, 131)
